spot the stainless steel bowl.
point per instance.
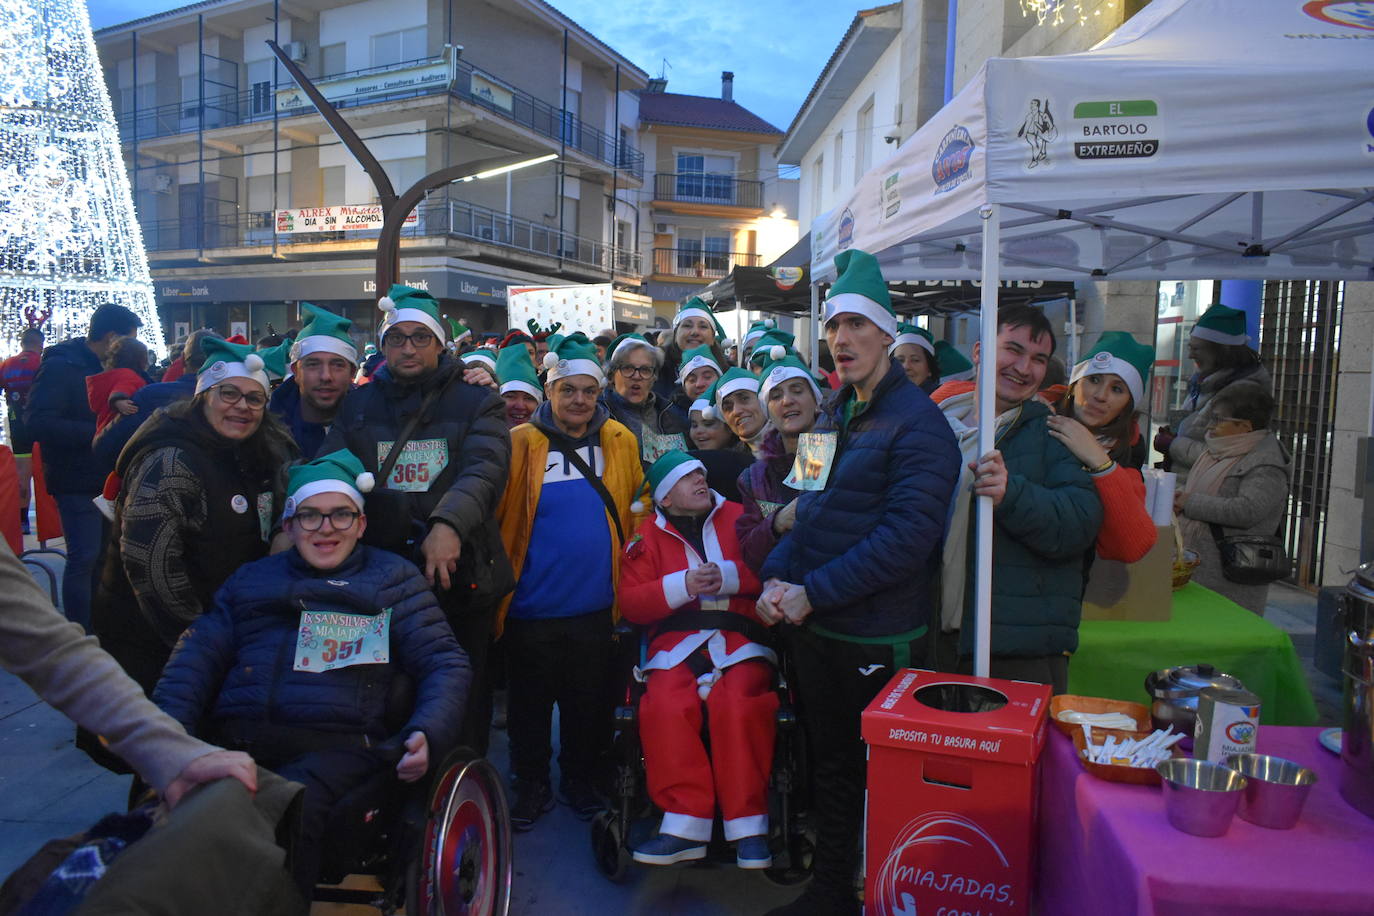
(1174, 694)
(1275, 790)
(1200, 797)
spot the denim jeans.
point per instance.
(84, 529)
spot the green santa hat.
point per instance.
(515, 371)
(859, 289)
(457, 330)
(573, 355)
(337, 472)
(696, 307)
(694, 359)
(757, 329)
(670, 467)
(913, 334)
(324, 332)
(485, 358)
(773, 345)
(779, 371)
(274, 360)
(1222, 324)
(735, 380)
(954, 366)
(225, 360)
(405, 303)
(1118, 353)
(628, 342)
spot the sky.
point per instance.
(776, 48)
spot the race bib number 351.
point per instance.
(327, 640)
(420, 464)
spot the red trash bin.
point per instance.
(952, 795)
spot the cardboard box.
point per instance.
(952, 795)
(1143, 590)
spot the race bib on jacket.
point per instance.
(420, 464)
(815, 454)
(768, 507)
(653, 446)
(327, 640)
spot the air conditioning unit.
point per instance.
(488, 233)
(296, 50)
(663, 228)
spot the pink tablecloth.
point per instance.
(1108, 848)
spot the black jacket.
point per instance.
(60, 418)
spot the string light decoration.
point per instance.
(69, 240)
(1054, 12)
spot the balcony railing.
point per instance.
(699, 263)
(469, 84)
(708, 188)
(436, 217)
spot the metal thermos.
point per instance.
(1357, 670)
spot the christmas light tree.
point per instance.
(69, 240)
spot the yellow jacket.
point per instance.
(622, 477)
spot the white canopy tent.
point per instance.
(1203, 139)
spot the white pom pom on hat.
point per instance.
(386, 304)
(769, 323)
(777, 351)
(550, 360)
(365, 482)
(640, 505)
(708, 412)
(253, 362)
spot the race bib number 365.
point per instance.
(421, 462)
(327, 640)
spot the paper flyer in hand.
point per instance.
(811, 469)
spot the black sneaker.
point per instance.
(532, 801)
(579, 795)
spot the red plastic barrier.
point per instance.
(9, 501)
(45, 507)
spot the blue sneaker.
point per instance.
(666, 849)
(753, 852)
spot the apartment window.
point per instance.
(403, 172)
(863, 138)
(333, 59)
(703, 253)
(817, 176)
(626, 144)
(571, 214)
(837, 156)
(259, 74)
(706, 178)
(398, 47)
(572, 133)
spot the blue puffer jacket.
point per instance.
(235, 661)
(866, 546)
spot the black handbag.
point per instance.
(1252, 559)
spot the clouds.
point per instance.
(776, 48)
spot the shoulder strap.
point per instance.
(562, 444)
(384, 472)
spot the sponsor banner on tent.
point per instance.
(589, 309)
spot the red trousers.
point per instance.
(683, 781)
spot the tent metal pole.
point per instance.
(987, 435)
(814, 346)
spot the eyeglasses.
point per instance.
(339, 519)
(419, 340)
(636, 371)
(229, 396)
(1217, 421)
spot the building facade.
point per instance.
(714, 200)
(249, 203)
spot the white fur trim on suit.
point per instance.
(843, 303)
(697, 829)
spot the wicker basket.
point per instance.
(1185, 561)
(1138, 711)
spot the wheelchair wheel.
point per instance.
(798, 866)
(464, 868)
(608, 846)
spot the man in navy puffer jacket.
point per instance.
(300, 655)
(854, 575)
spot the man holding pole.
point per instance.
(854, 577)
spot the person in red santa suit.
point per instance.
(685, 559)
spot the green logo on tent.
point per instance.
(1139, 108)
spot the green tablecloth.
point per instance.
(1114, 657)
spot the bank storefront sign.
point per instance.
(435, 74)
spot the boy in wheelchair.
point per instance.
(298, 658)
(683, 576)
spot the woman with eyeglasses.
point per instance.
(203, 485)
(632, 364)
